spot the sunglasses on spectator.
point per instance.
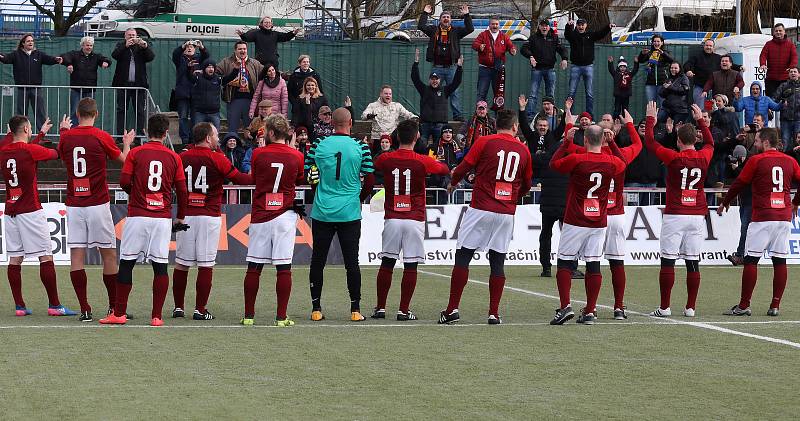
(264, 108)
(325, 113)
(481, 108)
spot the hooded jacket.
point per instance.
(752, 105)
(433, 103)
(28, 67)
(183, 68)
(544, 48)
(386, 117)
(788, 93)
(206, 90)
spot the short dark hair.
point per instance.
(16, 123)
(728, 56)
(538, 120)
(236, 45)
(506, 119)
(87, 107)
(407, 132)
(760, 115)
(687, 134)
(778, 25)
(659, 36)
(157, 126)
(201, 131)
(771, 135)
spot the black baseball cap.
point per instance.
(580, 21)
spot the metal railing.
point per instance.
(119, 108)
(434, 196)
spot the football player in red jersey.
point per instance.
(277, 168)
(614, 246)
(84, 149)
(503, 174)
(26, 231)
(148, 176)
(770, 173)
(206, 170)
(683, 224)
(585, 216)
(46, 126)
(404, 173)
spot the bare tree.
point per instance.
(62, 23)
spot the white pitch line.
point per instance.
(701, 325)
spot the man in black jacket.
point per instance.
(206, 93)
(581, 54)
(187, 58)
(541, 50)
(131, 55)
(266, 40)
(433, 99)
(553, 196)
(444, 49)
(82, 68)
(27, 62)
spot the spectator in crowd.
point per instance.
(132, 55)
(645, 171)
(264, 111)
(239, 73)
(444, 51)
(541, 50)
(757, 102)
(492, 45)
(788, 93)
(795, 147)
(297, 79)
(537, 136)
(273, 88)
(27, 64)
(449, 151)
(699, 69)
(385, 114)
(725, 81)
(584, 121)
(301, 137)
(675, 92)
(433, 99)
(323, 124)
(623, 83)
(724, 119)
(480, 124)
(266, 40)
(384, 145)
(777, 56)
(581, 54)
(553, 115)
(82, 67)
(187, 58)
(206, 93)
(656, 59)
(236, 152)
(307, 106)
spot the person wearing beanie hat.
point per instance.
(384, 145)
(623, 83)
(206, 93)
(480, 124)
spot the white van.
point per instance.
(678, 21)
(191, 18)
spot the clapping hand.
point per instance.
(64, 125)
(48, 125)
(128, 138)
(652, 109)
(523, 102)
(697, 113)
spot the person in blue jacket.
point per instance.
(756, 103)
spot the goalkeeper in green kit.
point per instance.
(337, 164)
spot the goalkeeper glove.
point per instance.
(313, 175)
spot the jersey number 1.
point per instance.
(507, 166)
(407, 174)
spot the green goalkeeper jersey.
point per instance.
(341, 161)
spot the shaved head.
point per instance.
(342, 119)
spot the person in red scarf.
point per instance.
(492, 45)
(480, 124)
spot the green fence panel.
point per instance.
(358, 69)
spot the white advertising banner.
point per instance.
(643, 227)
(56, 227)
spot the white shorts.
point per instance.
(90, 227)
(682, 236)
(198, 245)
(769, 236)
(146, 239)
(27, 235)
(483, 230)
(614, 247)
(272, 242)
(406, 235)
(581, 243)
